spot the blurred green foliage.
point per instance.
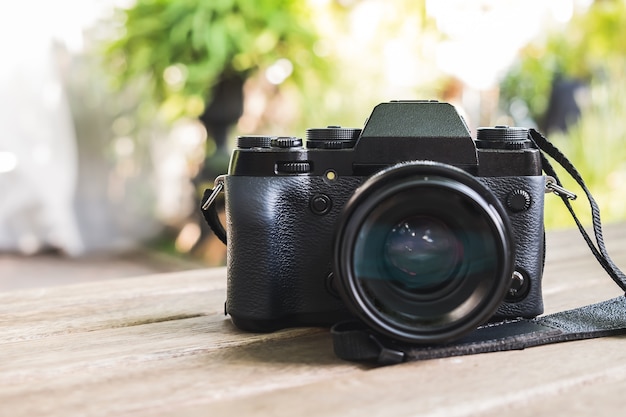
(591, 47)
(180, 49)
(596, 147)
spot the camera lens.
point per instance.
(423, 253)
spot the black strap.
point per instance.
(211, 217)
(353, 341)
(600, 252)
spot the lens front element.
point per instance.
(424, 253)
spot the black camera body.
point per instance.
(409, 225)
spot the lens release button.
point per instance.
(520, 286)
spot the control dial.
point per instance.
(332, 137)
(252, 141)
(518, 200)
(502, 137)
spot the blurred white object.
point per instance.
(76, 173)
(38, 161)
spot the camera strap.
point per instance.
(600, 251)
(355, 342)
(209, 209)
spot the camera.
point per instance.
(409, 225)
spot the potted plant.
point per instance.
(194, 55)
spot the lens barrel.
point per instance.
(423, 253)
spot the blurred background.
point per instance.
(116, 114)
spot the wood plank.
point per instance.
(473, 385)
(170, 362)
(44, 312)
(160, 345)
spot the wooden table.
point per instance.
(160, 345)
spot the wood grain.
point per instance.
(160, 345)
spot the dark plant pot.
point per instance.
(224, 109)
(221, 113)
(563, 108)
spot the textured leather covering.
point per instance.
(529, 236)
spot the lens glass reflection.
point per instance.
(422, 253)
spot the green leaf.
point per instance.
(217, 45)
(199, 29)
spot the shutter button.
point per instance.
(286, 142)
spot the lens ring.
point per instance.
(455, 304)
(434, 311)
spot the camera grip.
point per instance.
(280, 252)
